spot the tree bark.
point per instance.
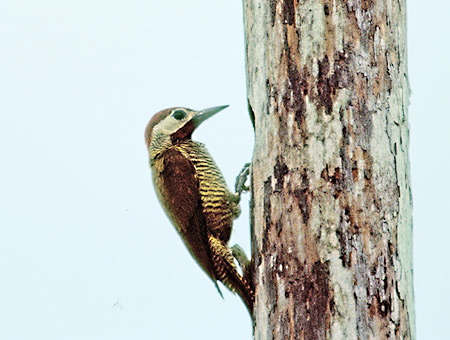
(331, 212)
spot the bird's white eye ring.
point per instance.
(179, 115)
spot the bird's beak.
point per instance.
(202, 115)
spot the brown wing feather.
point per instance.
(181, 190)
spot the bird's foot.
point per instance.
(239, 185)
(240, 256)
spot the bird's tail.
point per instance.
(227, 273)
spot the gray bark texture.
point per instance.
(332, 209)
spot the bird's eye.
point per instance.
(179, 115)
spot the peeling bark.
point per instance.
(331, 211)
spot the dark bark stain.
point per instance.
(301, 193)
(283, 130)
(342, 76)
(267, 213)
(300, 105)
(332, 305)
(251, 113)
(312, 289)
(335, 180)
(355, 171)
(285, 334)
(293, 98)
(338, 183)
(307, 286)
(273, 10)
(345, 237)
(331, 78)
(280, 170)
(326, 9)
(345, 174)
(324, 89)
(369, 185)
(279, 228)
(379, 288)
(288, 12)
(367, 4)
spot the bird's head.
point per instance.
(174, 124)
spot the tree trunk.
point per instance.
(331, 220)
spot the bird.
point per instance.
(194, 195)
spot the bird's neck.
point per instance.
(160, 144)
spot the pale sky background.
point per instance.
(86, 252)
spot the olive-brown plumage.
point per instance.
(194, 194)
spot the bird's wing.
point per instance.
(180, 189)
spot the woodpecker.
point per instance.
(193, 193)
